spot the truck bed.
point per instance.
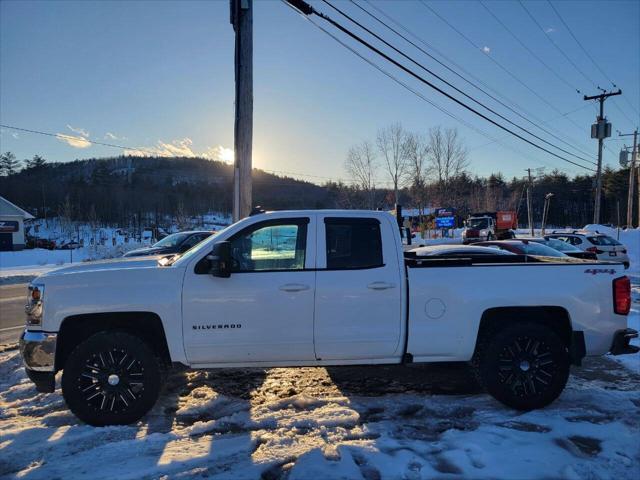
(447, 303)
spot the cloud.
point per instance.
(220, 153)
(113, 136)
(80, 131)
(73, 141)
(549, 30)
(76, 141)
(486, 49)
(182, 148)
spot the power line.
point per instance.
(473, 85)
(427, 82)
(448, 83)
(586, 52)
(415, 92)
(557, 47)
(531, 52)
(500, 65)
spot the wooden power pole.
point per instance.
(632, 166)
(529, 206)
(242, 21)
(600, 130)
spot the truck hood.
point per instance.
(100, 265)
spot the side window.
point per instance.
(191, 241)
(353, 243)
(270, 246)
(576, 240)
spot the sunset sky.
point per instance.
(159, 75)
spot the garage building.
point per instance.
(12, 220)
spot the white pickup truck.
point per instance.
(314, 288)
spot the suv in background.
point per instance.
(605, 247)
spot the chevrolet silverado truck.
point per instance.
(316, 288)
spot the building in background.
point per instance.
(12, 220)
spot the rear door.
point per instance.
(358, 289)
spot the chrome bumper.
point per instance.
(38, 350)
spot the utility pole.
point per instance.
(600, 130)
(632, 168)
(242, 21)
(529, 211)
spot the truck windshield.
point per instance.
(478, 223)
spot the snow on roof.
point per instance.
(8, 208)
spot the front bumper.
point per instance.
(38, 350)
(621, 339)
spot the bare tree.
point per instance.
(416, 150)
(361, 165)
(391, 142)
(447, 157)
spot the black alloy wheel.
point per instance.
(111, 378)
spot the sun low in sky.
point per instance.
(158, 77)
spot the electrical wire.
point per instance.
(502, 67)
(537, 125)
(586, 52)
(420, 95)
(438, 89)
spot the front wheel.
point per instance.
(111, 378)
(524, 366)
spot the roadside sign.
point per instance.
(8, 226)
(445, 222)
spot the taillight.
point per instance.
(594, 250)
(622, 295)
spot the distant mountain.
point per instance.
(123, 188)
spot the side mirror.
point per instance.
(220, 260)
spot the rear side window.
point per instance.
(353, 243)
(603, 240)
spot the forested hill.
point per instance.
(117, 189)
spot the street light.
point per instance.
(545, 210)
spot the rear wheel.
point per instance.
(111, 378)
(524, 366)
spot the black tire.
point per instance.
(524, 366)
(111, 378)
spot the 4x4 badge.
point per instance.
(594, 271)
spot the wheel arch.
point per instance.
(146, 325)
(553, 317)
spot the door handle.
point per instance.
(381, 285)
(294, 287)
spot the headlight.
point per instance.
(33, 308)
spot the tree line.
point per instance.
(418, 171)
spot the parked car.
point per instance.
(564, 247)
(523, 247)
(33, 242)
(605, 247)
(174, 243)
(316, 288)
(456, 251)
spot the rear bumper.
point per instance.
(38, 350)
(621, 339)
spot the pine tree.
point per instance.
(8, 164)
(36, 162)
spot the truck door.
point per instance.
(358, 289)
(264, 311)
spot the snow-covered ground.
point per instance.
(316, 423)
